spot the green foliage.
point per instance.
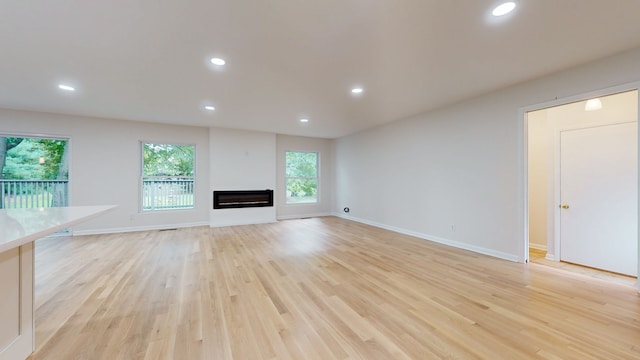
(23, 156)
(168, 160)
(22, 162)
(13, 142)
(53, 154)
(302, 172)
(301, 164)
(23, 159)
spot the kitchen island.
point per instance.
(19, 228)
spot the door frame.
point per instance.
(523, 121)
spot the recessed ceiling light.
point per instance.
(304, 121)
(357, 90)
(66, 87)
(593, 104)
(504, 9)
(218, 61)
(209, 107)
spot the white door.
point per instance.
(599, 197)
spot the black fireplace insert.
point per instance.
(242, 199)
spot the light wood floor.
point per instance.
(322, 288)
(538, 257)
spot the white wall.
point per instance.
(326, 191)
(105, 166)
(241, 160)
(456, 175)
(543, 136)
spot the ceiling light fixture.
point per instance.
(66, 87)
(209, 107)
(357, 90)
(504, 9)
(593, 104)
(304, 120)
(218, 61)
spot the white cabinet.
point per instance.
(16, 303)
(19, 228)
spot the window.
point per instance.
(34, 172)
(167, 176)
(302, 177)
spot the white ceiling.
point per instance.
(148, 59)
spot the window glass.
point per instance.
(302, 177)
(34, 172)
(167, 176)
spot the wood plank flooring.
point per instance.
(538, 257)
(322, 288)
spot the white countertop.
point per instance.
(20, 226)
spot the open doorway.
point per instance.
(551, 131)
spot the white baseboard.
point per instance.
(136, 228)
(436, 239)
(550, 257)
(301, 216)
(239, 223)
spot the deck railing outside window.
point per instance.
(22, 194)
(164, 193)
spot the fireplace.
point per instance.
(242, 199)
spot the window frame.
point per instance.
(316, 178)
(141, 179)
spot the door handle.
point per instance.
(564, 206)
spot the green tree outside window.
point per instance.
(167, 176)
(302, 177)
